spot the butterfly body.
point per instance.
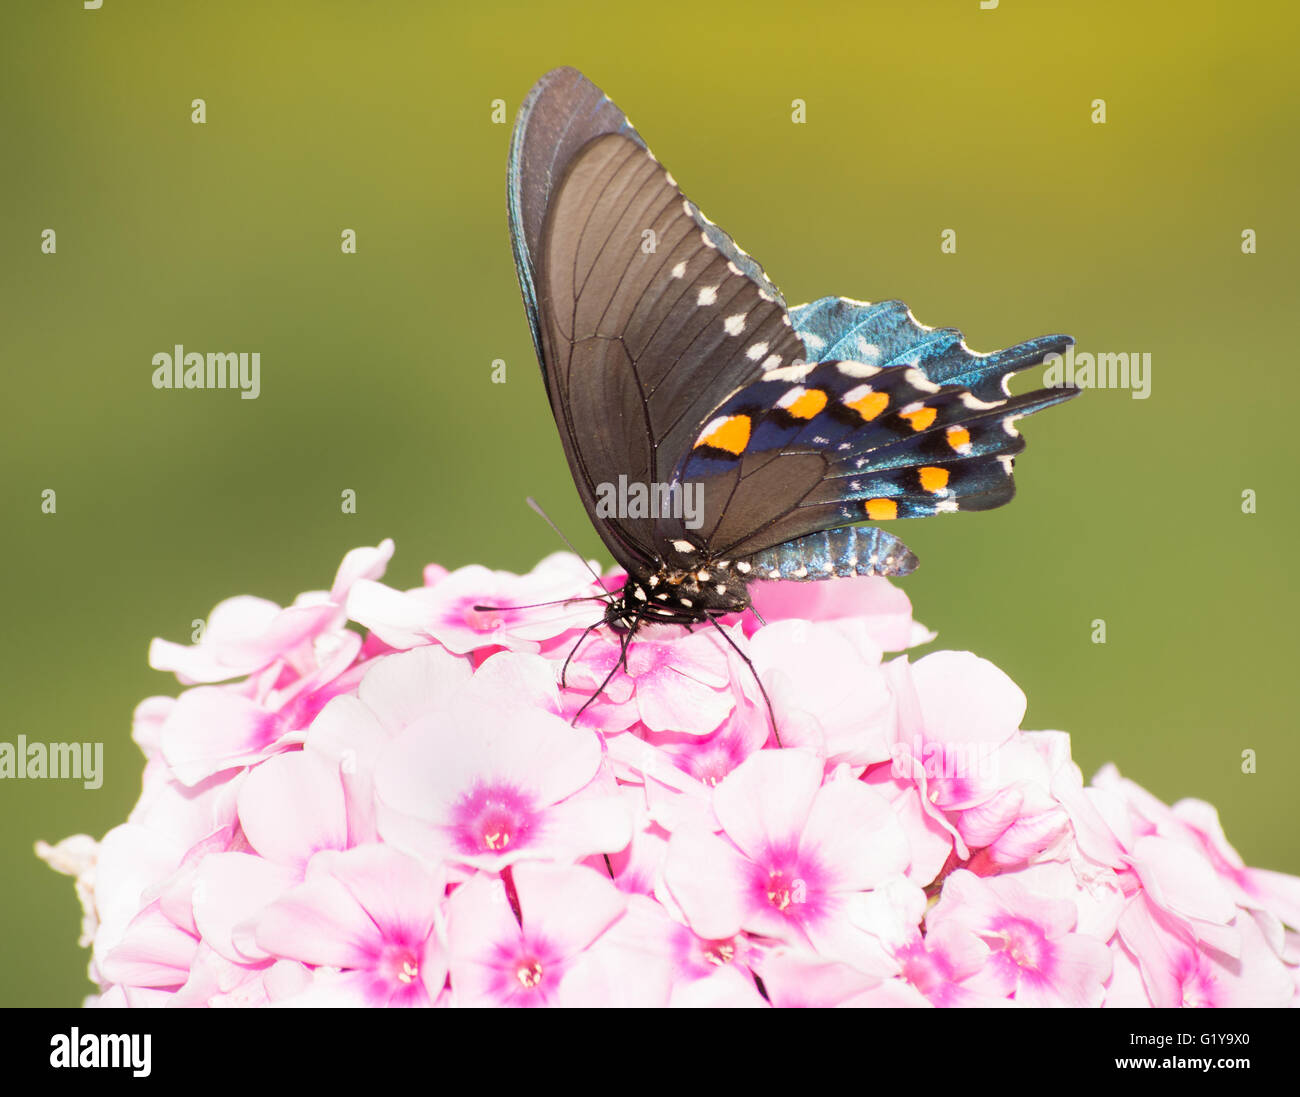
(672, 362)
(677, 595)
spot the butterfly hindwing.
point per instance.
(885, 333)
(847, 442)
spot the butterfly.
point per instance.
(673, 364)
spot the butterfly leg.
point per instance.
(619, 665)
(564, 672)
(771, 712)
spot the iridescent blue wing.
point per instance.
(885, 333)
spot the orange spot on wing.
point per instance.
(881, 510)
(934, 479)
(807, 405)
(730, 434)
(958, 437)
(921, 418)
(871, 405)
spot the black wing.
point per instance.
(646, 315)
(809, 448)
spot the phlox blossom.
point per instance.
(476, 793)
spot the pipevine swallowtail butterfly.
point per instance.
(680, 364)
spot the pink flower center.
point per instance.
(399, 964)
(719, 953)
(494, 819)
(1024, 943)
(483, 620)
(529, 973)
(782, 891)
(790, 884)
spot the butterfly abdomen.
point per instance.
(835, 553)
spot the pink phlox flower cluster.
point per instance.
(384, 797)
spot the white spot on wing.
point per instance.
(755, 352)
(869, 351)
(795, 371)
(734, 325)
(918, 380)
(857, 369)
(708, 295)
(679, 270)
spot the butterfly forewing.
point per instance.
(646, 321)
(560, 115)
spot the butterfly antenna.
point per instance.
(750, 663)
(537, 509)
(564, 673)
(622, 662)
(540, 605)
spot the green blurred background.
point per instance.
(376, 366)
